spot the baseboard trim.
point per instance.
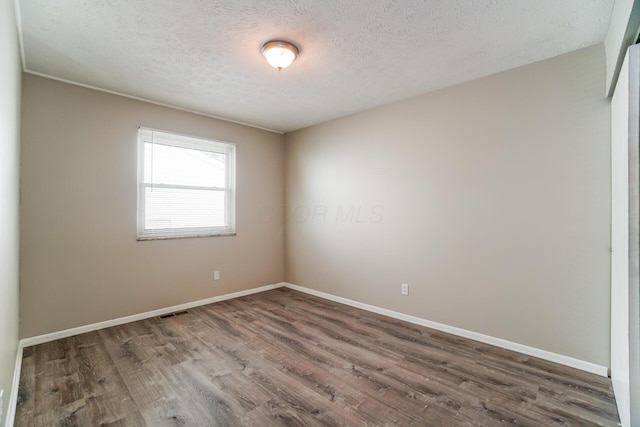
(40, 339)
(13, 393)
(487, 339)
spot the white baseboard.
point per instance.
(13, 393)
(487, 339)
(39, 339)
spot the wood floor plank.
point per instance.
(57, 382)
(25, 410)
(283, 358)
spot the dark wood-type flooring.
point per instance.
(286, 358)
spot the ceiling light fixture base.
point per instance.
(279, 53)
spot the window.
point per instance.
(185, 186)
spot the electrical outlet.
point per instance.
(405, 289)
(216, 275)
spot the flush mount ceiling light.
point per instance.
(279, 54)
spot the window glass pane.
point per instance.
(178, 208)
(165, 164)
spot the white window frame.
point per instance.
(184, 141)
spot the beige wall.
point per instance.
(9, 152)
(81, 262)
(491, 199)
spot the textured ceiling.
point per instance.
(204, 55)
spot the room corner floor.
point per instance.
(286, 358)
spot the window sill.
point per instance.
(145, 238)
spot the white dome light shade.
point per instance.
(279, 54)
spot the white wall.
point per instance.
(625, 302)
(10, 74)
(620, 244)
(622, 33)
(615, 37)
(80, 261)
(491, 199)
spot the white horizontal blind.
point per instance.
(185, 186)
